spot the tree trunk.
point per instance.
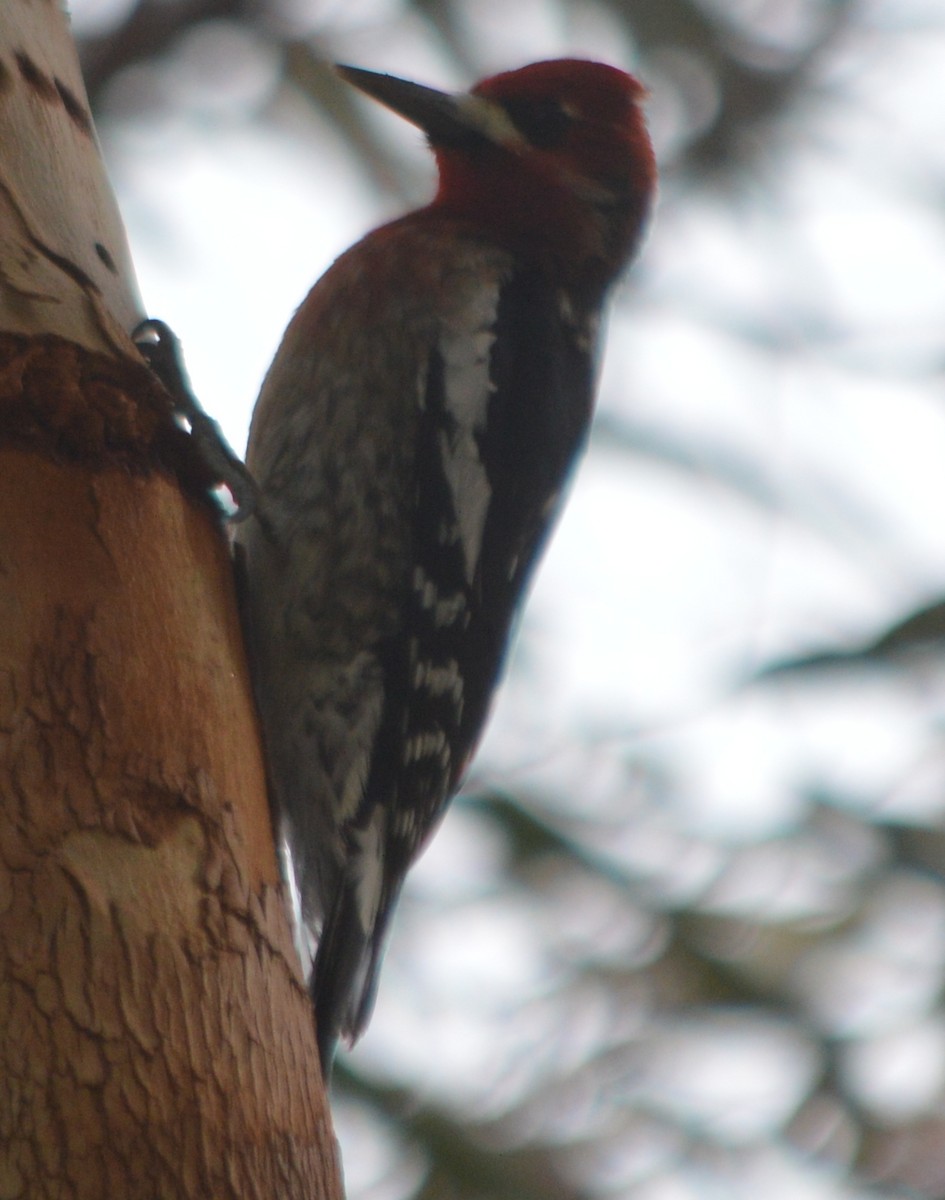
(155, 1032)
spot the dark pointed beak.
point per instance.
(447, 118)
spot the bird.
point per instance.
(411, 446)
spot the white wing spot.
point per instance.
(439, 680)
(369, 869)
(432, 744)
(466, 348)
(586, 326)
(446, 610)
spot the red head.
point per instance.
(552, 160)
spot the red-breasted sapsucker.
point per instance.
(411, 443)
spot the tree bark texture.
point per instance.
(155, 1039)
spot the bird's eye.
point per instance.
(544, 123)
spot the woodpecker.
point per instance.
(410, 445)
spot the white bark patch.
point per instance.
(66, 266)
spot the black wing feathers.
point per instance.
(543, 374)
(441, 667)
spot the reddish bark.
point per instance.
(155, 1035)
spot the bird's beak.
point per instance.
(447, 118)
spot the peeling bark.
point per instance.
(156, 1038)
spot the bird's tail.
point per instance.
(343, 983)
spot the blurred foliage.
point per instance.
(710, 1015)
(738, 80)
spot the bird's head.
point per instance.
(553, 159)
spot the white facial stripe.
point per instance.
(490, 119)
